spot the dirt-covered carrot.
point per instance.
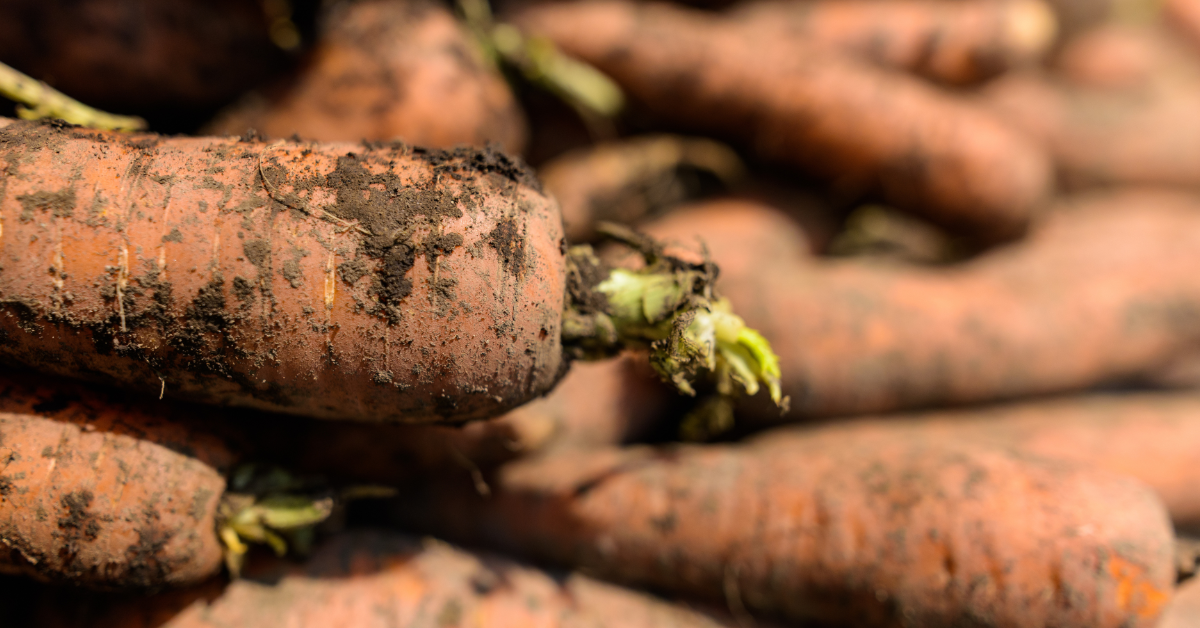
(384, 70)
(912, 530)
(630, 180)
(1151, 436)
(959, 42)
(105, 494)
(1101, 292)
(793, 103)
(370, 579)
(144, 55)
(1103, 137)
(342, 281)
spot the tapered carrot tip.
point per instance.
(1030, 27)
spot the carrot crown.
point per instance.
(666, 306)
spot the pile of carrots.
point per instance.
(344, 337)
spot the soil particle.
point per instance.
(291, 272)
(352, 271)
(257, 251)
(78, 523)
(175, 236)
(61, 204)
(509, 242)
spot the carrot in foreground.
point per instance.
(1101, 292)
(99, 493)
(949, 42)
(791, 102)
(105, 492)
(912, 530)
(287, 277)
(384, 70)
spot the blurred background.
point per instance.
(969, 229)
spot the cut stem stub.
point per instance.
(668, 307)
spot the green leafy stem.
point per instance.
(668, 307)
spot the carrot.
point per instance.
(102, 493)
(1100, 293)
(371, 579)
(910, 530)
(633, 179)
(1184, 17)
(282, 276)
(1151, 436)
(790, 102)
(1120, 56)
(598, 403)
(383, 70)
(954, 43)
(170, 57)
(1101, 137)
(285, 277)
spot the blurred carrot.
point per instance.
(631, 180)
(951, 42)
(1151, 436)
(1115, 126)
(926, 151)
(161, 56)
(384, 70)
(369, 579)
(910, 530)
(1101, 292)
(602, 403)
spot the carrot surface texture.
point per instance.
(105, 492)
(378, 579)
(908, 530)
(1101, 292)
(791, 102)
(287, 276)
(950, 42)
(384, 70)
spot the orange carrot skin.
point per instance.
(910, 531)
(1102, 138)
(384, 70)
(1151, 436)
(793, 103)
(105, 494)
(332, 280)
(858, 337)
(955, 43)
(369, 579)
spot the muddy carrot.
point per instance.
(387, 70)
(948, 42)
(912, 530)
(858, 337)
(790, 102)
(343, 281)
